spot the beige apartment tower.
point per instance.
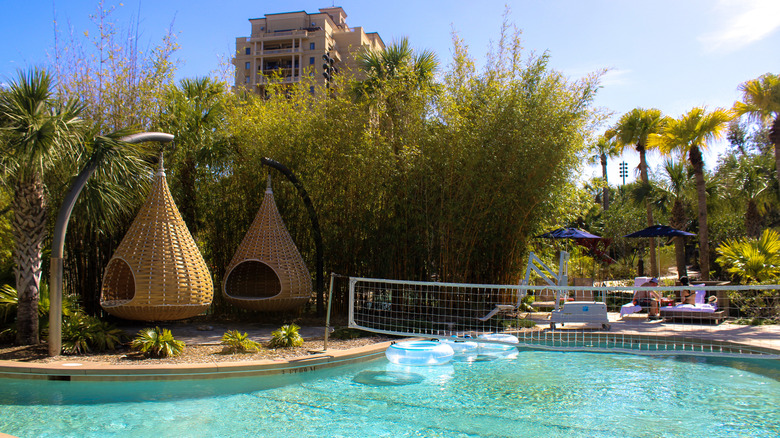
(289, 46)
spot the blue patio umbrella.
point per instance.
(568, 233)
(659, 231)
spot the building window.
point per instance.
(311, 46)
(311, 89)
(246, 79)
(248, 65)
(247, 50)
(311, 61)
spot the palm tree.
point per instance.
(633, 129)
(395, 78)
(751, 182)
(395, 61)
(676, 184)
(194, 113)
(688, 135)
(39, 133)
(761, 102)
(604, 149)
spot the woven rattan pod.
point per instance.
(157, 273)
(267, 272)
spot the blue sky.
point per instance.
(668, 54)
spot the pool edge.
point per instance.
(215, 370)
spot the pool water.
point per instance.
(538, 393)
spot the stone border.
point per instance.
(75, 371)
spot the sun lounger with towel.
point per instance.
(701, 310)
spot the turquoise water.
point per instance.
(539, 393)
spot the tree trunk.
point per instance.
(646, 180)
(605, 189)
(678, 221)
(694, 155)
(753, 220)
(29, 230)
(774, 137)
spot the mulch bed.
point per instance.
(192, 353)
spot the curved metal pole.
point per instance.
(58, 239)
(314, 223)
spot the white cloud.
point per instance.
(742, 22)
(614, 77)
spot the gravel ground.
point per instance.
(192, 353)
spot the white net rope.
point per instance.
(697, 320)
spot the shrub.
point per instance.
(9, 300)
(758, 306)
(525, 323)
(752, 260)
(85, 334)
(286, 336)
(348, 333)
(238, 343)
(157, 342)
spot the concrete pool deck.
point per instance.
(762, 337)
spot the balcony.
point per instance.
(272, 68)
(281, 51)
(278, 35)
(263, 80)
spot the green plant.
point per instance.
(753, 321)
(85, 334)
(526, 303)
(752, 260)
(286, 336)
(8, 300)
(756, 307)
(348, 333)
(525, 323)
(236, 342)
(157, 342)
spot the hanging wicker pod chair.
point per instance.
(267, 272)
(157, 273)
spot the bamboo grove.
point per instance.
(435, 173)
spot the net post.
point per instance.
(351, 317)
(327, 316)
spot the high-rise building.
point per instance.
(289, 46)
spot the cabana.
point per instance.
(157, 273)
(267, 272)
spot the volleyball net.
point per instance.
(718, 320)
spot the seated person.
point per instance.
(687, 296)
(648, 298)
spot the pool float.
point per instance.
(419, 353)
(465, 351)
(498, 350)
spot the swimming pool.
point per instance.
(539, 393)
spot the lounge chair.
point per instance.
(630, 308)
(702, 310)
(500, 308)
